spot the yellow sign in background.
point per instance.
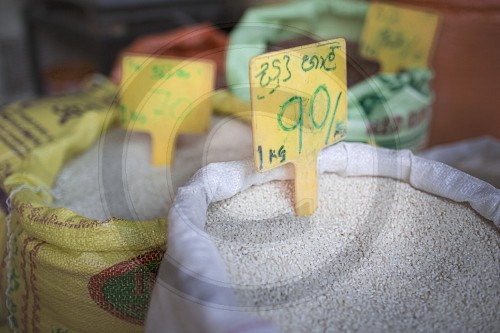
(299, 106)
(164, 97)
(398, 37)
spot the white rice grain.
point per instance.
(115, 176)
(377, 256)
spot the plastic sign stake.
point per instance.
(165, 97)
(398, 37)
(299, 106)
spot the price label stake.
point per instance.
(398, 37)
(166, 97)
(299, 106)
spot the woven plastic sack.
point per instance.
(27, 124)
(3, 276)
(65, 272)
(390, 110)
(192, 291)
(479, 157)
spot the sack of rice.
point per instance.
(28, 124)
(398, 243)
(66, 272)
(85, 238)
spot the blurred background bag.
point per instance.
(389, 110)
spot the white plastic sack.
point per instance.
(479, 157)
(192, 291)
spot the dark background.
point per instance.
(46, 46)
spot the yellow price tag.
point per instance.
(398, 37)
(299, 106)
(165, 97)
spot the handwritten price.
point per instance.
(316, 125)
(160, 103)
(299, 107)
(398, 37)
(164, 97)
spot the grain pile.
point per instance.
(377, 256)
(115, 177)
